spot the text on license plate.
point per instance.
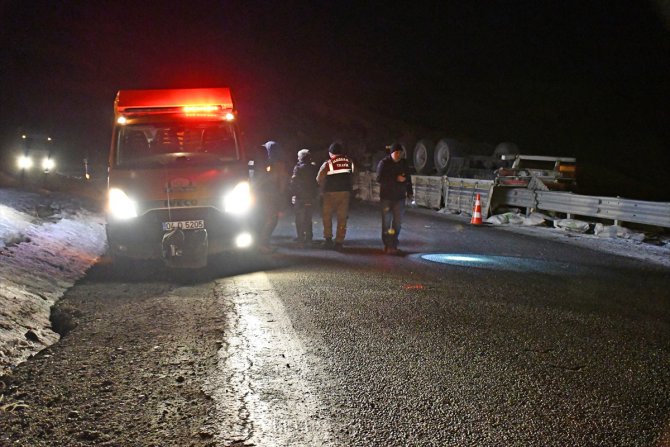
(184, 225)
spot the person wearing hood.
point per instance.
(271, 184)
(304, 190)
(336, 178)
(395, 186)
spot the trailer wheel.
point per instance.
(445, 152)
(423, 157)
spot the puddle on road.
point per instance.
(508, 263)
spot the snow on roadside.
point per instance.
(605, 238)
(46, 245)
(12, 225)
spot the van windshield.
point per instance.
(146, 145)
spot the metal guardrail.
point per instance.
(457, 194)
(614, 208)
(521, 197)
(611, 208)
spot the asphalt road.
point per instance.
(517, 341)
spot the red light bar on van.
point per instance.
(208, 111)
(192, 102)
(201, 109)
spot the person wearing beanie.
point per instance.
(271, 185)
(395, 186)
(304, 191)
(336, 179)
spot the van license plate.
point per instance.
(184, 225)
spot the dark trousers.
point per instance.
(392, 213)
(268, 219)
(303, 220)
(337, 202)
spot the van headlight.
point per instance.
(120, 206)
(239, 200)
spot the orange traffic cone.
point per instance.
(477, 212)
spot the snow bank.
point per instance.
(654, 248)
(46, 245)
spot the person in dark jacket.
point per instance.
(336, 178)
(304, 190)
(271, 184)
(395, 187)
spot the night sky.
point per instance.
(589, 79)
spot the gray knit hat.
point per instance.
(303, 154)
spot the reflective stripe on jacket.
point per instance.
(336, 174)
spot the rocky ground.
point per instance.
(107, 383)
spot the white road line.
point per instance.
(269, 398)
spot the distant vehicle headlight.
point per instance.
(25, 162)
(48, 164)
(239, 200)
(120, 205)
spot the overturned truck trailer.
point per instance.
(457, 159)
(503, 164)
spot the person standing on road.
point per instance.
(271, 185)
(304, 191)
(336, 178)
(395, 187)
